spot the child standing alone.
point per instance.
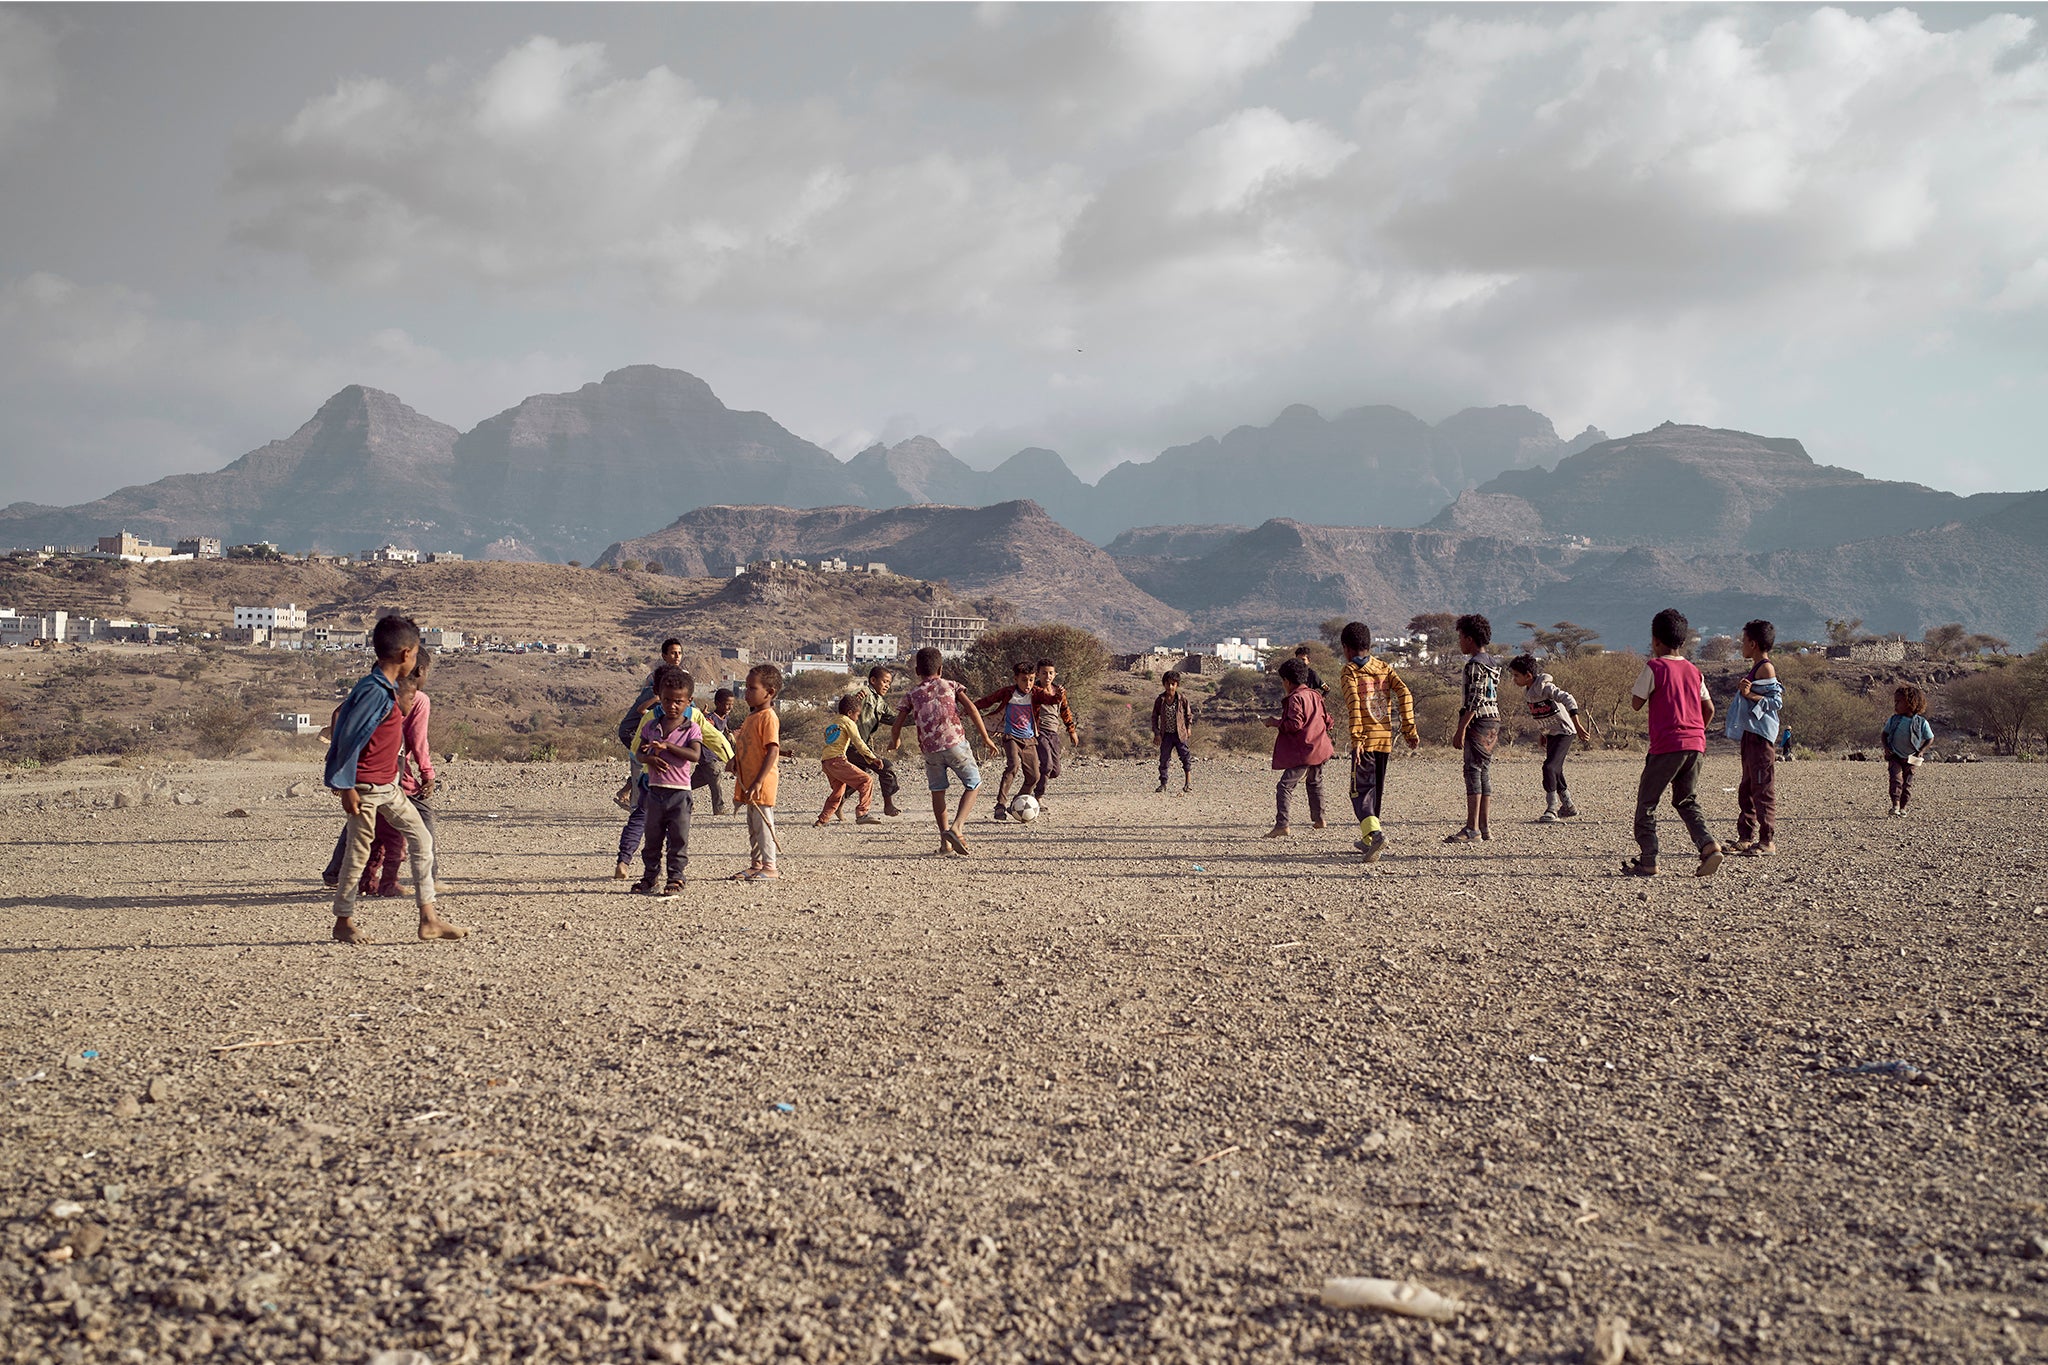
(1173, 720)
(755, 763)
(1754, 720)
(1556, 713)
(1301, 748)
(1373, 691)
(1680, 709)
(1478, 724)
(1906, 737)
(671, 742)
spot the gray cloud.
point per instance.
(29, 73)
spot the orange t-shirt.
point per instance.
(761, 729)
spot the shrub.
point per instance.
(1245, 738)
(1114, 729)
(1239, 685)
(816, 687)
(222, 727)
(1996, 704)
(1601, 683)
(1080, 657)
(1822, 712)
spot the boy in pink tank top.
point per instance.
(1680, 709)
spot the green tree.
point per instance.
(1238, 684)
(1332, 631)
(1080, 657)
(2000, 705)
(1942, 642)
(1440, 626)
(1563, 640)
(1844, 631)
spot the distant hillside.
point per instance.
(1012, 550)
(1691, 488)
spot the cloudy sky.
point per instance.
(1099, 229)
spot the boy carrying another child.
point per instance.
(362, 767)
(1680, 708)
(1372, 693)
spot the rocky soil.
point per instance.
(1127, 1084)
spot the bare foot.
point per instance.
(345, 931)
(432, 927)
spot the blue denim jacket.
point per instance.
(367, 706)
(1758, 717)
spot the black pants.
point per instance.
(1681, 773)
(1169, 745)
(1283, 792)
(668, 823)
(1368, 783)
(1048, 760)
(1555, 750)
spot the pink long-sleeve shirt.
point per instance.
(414, 728)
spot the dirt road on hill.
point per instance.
(1125, 1085)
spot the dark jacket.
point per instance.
(1180, 724)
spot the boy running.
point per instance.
(1019, 729)
(843, 745)
(1054, 715)
(1373, 692)
(938, 706)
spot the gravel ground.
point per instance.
(1127, 1084)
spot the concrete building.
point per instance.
(20, 628)
(815, 663)
(297, 723)
(952, 636)
(200, 547)
(873, 649)
(132, 547)
(831, 566)
(443, 557)
(290, 616)
(390, 554)
(1241, 652)
(441, 638)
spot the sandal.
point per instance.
(1463, 836)
(1710, 862)
(1636, 867)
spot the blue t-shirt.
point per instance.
(1907, 735)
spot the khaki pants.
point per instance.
(397, 809)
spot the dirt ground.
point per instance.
(1126, 1084)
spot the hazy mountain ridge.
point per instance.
(1012, 550)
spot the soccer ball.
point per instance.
(1025, 807)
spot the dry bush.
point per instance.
(1079, 656)
(1822, 712)
(1117, 729)
(222, 726)
(817, 687)
(1998, 705)
(1245, 738)
(1600, 683)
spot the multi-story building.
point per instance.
(952, 636)
(440, 637)
(22, 628)
(127, 545)
(1242, 652)
(443, 557)
(200, 547)
(290, 616)
(390, 554)
(869, 649)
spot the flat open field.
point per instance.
(1125, 1085)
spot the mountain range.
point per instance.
(1489, 508)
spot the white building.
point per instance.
(869, 649)
(19, 629)
(440, 637)
(297, 723)
(390, 554)
(813, 663)
(290, 616)
(1238, 650)
(834, 565)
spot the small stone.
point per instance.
(298, 789)
(127, 1107)
(722, 1315)
(185, 798)
(2035, 1248)
(672, 1351)
(946, 1348)
(123, 800)
(401, 1358)
(236, 814)
(65, 1208)
(113, 1194)
(160, 1090)
(200, 1343)
(86, 1240)
(1610, 1342)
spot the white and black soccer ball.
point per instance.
(1024, 807)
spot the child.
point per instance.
(1302, 746)
(1372, 690)
(1315, 679)
(710, 767)
(842, 745)
(1019, 730)
(1556, 713)
(1478, 724)
(1173, 721)
(712, 742)
(755, 769)
(1680, 711)
(875, 708)
(1754, 720)
(671, 741)
(362, 767)
(938, 704)
(1053, 715)
(628, 796)
(416, 777)
(1906, 737)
